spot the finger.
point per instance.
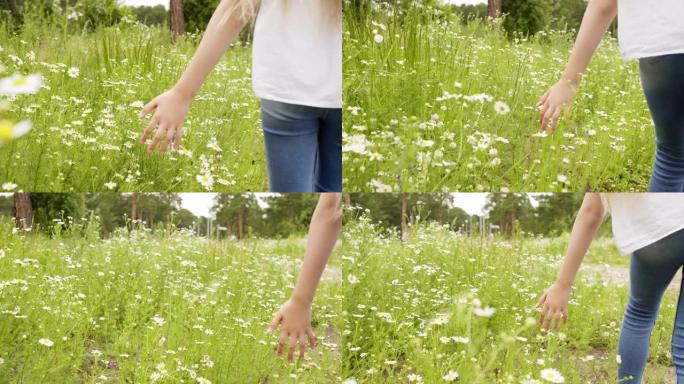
(302, 346)
(291, 349)
(542, 113)
(170, 133)
(312, 338)
(281, 343)
(542, 99)
(149, 107)
(157, 138)
(543, 315)
(565, 316)
(274, 323)
(178, 138)
(556, 319)
(547, 119)
(541, 300)
(149, 129)
(554, 119)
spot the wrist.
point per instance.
(562, 283)
(571, 81)
(301, 299)
(183, 92)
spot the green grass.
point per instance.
(412, 123)
(86, 131)
(394, 292)
(97, 301)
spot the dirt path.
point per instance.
(613, 274)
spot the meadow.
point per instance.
(443, 307)
(86, 129)
(163, 307)
(432, 104)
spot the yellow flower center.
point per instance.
(6, 128)
(21, 81)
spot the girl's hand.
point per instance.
(552, 104)
(170, 109)
(554, 306)
(295, 318)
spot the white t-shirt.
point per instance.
(297, 53)
(649, 28)
(641, 219)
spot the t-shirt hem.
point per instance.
(648, 240)
(643, 55)
(308, 103)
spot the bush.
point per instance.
(526, 17)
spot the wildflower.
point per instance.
(202, 380)
(352, 279)
(350, 380)
(206, 180)
(158, 320)
(378, 38)
(137, 104)
(10, 131)
(501, 108)
(20, 85)
(110, 185)
(414, 378)
(46, 342)
(562, 178)
(450, 376)
(8, 186)
(484, 312)
(618, 358)
(552, 376)
(461, 339)
(73, 72)
(378, 186)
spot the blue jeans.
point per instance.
(651, 271)
(303, 147)
(662, 78)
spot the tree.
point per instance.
(232, 210)
(22, 212)
(176, 20)
(494, 8)
(507, 209)
(526, 16)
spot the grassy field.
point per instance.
(441, 306)
(433, 105)
(86, 129)
(144, 308)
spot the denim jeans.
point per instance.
(651, 271)
(662, 78)
(303, 147)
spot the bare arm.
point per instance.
(171, 107)
(597, 19)
(554, 302)
(295, 315)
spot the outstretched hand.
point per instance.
(554, 307)
(294, 317)
(170, 109)
(553, 103)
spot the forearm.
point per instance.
(217, 38)
(584, 230)
(595, 23)
(325, 227)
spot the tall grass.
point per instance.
(86, 129)
(436, 105)
(444, 302)
(141, 307)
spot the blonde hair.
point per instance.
(247, 9)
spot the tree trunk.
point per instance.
(177, 22)
(134, 207)
(12, 5)
(404, 216)
(241, 224)
(23, 212)
(494, 8)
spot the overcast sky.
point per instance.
(165, 3)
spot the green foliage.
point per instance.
(526, 17)
(197, 14)
(56, 211)
(137, 305)
(150, 15)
